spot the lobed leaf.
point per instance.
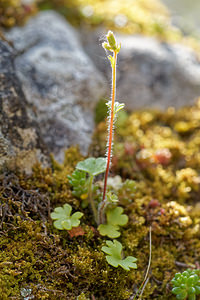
(109, 230)
(92, 166)
(116, 217)
(114, 257)
(62, 217)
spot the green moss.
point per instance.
(36, 258)
(14, 12)
(164, 162)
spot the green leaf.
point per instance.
(115, 216)
(109, 230)
(63, 218)
(114, 257)
(197, 288)
(117, 106)
(113, 249)
(119, 48)
(106, 46)
(176, 290)
(192, 297)
(192, 279)
(191, 290)
(92, 166)
(182, 295)
(174, 282)
(129, 262)
(112, 61)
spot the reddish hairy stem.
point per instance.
(109, 139)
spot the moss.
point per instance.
(14, 12)
(40, 261)
(164, 162)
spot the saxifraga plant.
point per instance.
(95, 166)
(83, 187)
(112, 46)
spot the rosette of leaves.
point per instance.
(186, 285)
(115, 219)
(64, 219)
(114, 257)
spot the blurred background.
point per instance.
(64, 71)
(185, 13)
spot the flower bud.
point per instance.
(111, 40)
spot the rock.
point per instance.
(150, 73)
(59, 79)
(20, 143)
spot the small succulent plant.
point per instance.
(115, 218)
(62, 217)
(114, 257)
(186, 285)
(80, 184)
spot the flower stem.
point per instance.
(110, 138)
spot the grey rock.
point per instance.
(59, 79)
(20, 143)
(150, 73)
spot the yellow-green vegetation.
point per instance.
(14, 12)
(159, 147)
(160, 152)
(147, 17)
